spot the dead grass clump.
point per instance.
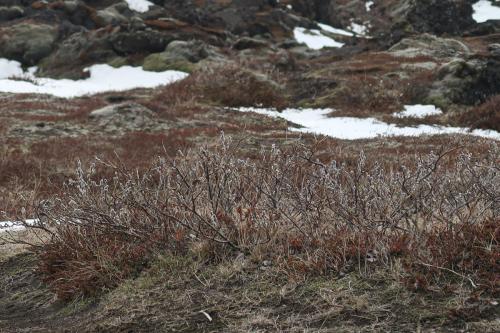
(97, 261)
(233, 87)
(465, 251)
(364, 96)
(484, 116)
(227, 86)
(436, 214)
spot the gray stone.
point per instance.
(110, 16)
(180, 55)
(27, 42)
(124, 117)
(10, 13)
(249, 43)
(429, 45)
(144, 41)
(494, 49)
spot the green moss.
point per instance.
(118, 62)
(438, 100)
(158, 62)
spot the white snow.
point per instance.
(368, 5)
(140, 6)
(418, 111)
(314, 39)
(359, 29)
(316, 121)
(335, 30)
(9, 68)
(484, 11)
(8, 226)
(102, 78)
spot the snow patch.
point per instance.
(316, 121)
(102, 78)
(335, 30)
(418, 111)
(8, 226)
(368, 5)
(484, 11)
(9, 68)
(314, 39)
(140, 6)
(358, 29)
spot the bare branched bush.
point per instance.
(437, 215)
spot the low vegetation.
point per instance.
(434, 220)
(484, 116)
(225, 85)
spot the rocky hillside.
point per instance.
(437, 47)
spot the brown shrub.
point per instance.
(96, 263)
(307, 216)
(485, 116)
(226, 86)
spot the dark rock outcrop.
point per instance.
(27, 42)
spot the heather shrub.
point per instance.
(437, 215)
(224, 85)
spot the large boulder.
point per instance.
(76, 52)
(437, 17)
(440, 16)
(180, 55)
(110, 16)
(465, 81)
(27, 42)
(127, 116)
(10, 13)
(144, 41)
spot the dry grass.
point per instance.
(225, 85)
(484, 116)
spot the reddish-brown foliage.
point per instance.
(438, 215)
(485, 116)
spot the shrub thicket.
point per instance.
(437, 217)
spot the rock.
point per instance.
(429, 45)
(126, 116)
(494, 50)
(440, 16)
(249, 43)
(486, 28)
(468, 82)
(10, 13)
(144, 41)
(158, 62)
(27, 42)
(432, 16)
(110, 16)
(192, 51)
(76, 52)
(70, 6)
(180, 55)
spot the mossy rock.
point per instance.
(439, 100)
(118, 62)
(157, 62)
